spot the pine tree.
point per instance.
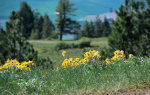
(38, 26)
(86, 29)
(77, 30)
(131, 29)
(64, 11)
(98, 27)
(4, 48)
(47, 28)
(106, 27)
(27, 16)
(91, 31)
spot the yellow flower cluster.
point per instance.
(118, 55)
(11, 64)
(92, 54)
(88, 56)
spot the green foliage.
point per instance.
(38, 26)
(44, 63)
(98, 27)
(86, 29)
(106, 28)
(107, 52)
(4, 49)
(130, 30)
(13, 45)
(92, 30)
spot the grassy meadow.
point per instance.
(125, 75)
(47, 48)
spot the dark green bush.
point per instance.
(62, 45)
(83, 44)
(78, 44)
(106, 52)
(44, 63)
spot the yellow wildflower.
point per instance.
(125, 62)
(64, 53)
(1, 67)
(57, 68)
(130, 55)
(27, 69)
(18, 66)
(31, 62)
(108, 61)
(13, 63)
(5, 66)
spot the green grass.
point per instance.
(47, 50)
(88, 78)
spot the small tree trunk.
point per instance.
(60, 35)
(61, 29)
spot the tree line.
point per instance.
(35, 26)
(32, 24)
(96, 28)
